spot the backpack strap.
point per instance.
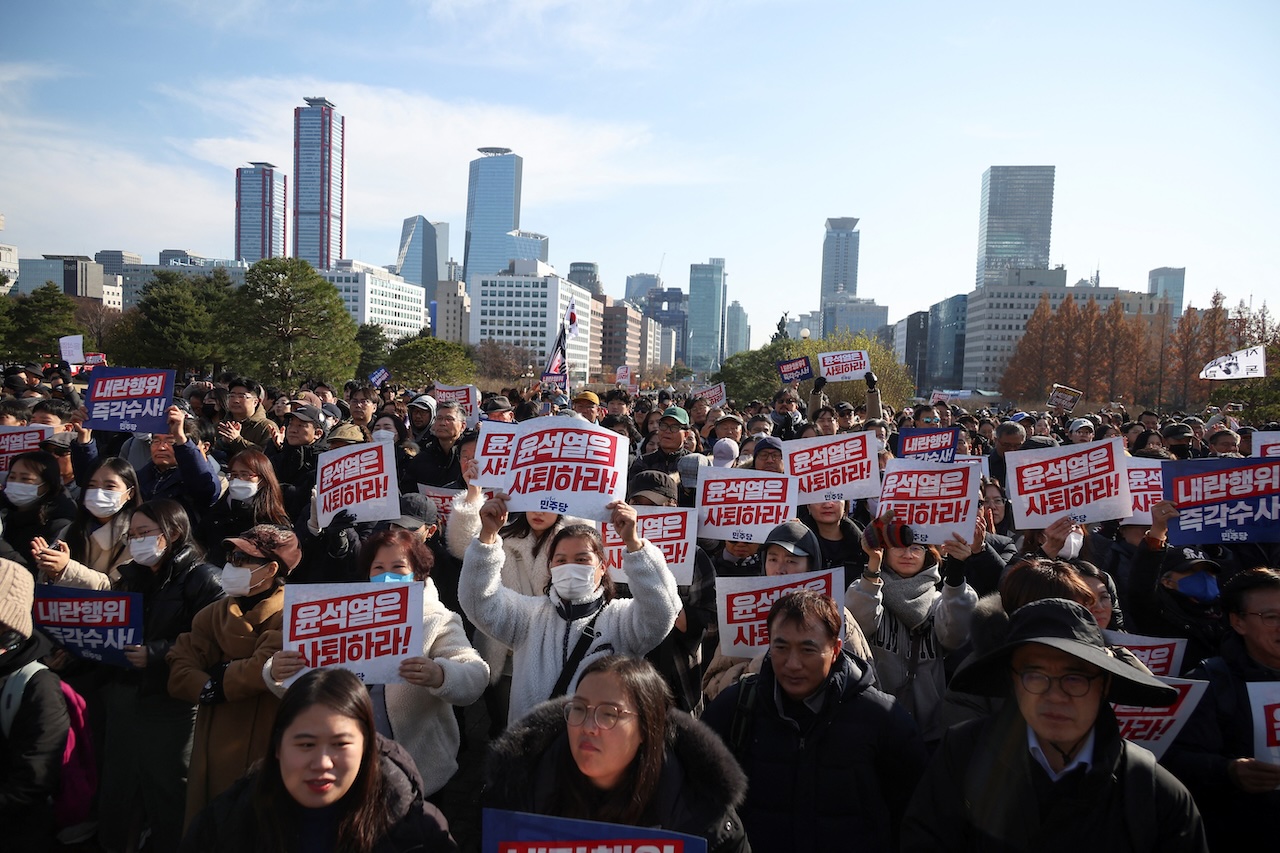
(744, 714)
(11, 695)
(579, 652)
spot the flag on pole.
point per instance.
(1248, 363)
(571, 318)
(557, 361)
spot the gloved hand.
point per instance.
(819, 384)
(212, 693)
(336, 533)
(871, 380)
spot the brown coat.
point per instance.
(230, 735)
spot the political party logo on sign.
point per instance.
(834, 467)
(379, 376)
(566, 466)
(1264, 703)
(714, 395)
(91, 624)
(359, 478)
(520, 832)
(493, 453)
(743, 505)
(1146, 487)
(1064, 397)
(125, 399)
(795, 369)
(1266, 445)
(1250, 363)
(466, 396)
(1084, 482)
(1162, 655)
(19, 439)
(364, 627)
(935, 498)
(843, 365)
(673, 530)
(1156, 727)
(932, 445)
(743, 605)
(1223, 500)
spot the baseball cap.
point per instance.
(657, 486)
(795, 538)
(678, 414)
(845, 408)
(1187, 560)
(349, 433)
(307, 414)
(768, 442)
(415, 511)
(587, 397)
(269, 542)
(1081, 423)
(1177, 431)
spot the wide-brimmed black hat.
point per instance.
(1067, 627)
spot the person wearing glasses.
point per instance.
(1050, 769)
(438, 462)
(1214, 754)
(246, 424)
(618, 751)
(671, 428)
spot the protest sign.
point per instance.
(743, 504)
(982, 462)
(743, 605)
(1266, 445)
(567, 466)
(1264, 701)
(1086, 482)
(834, 467)
(466, 396)
(843, 365)
(1250, 363)
(714, 395)
(556, 380)
(673, 530)
(935, 498)
(125, 399)
(929, 444)
(622, 375)
(1064, 397)
(795, 370)
(367, 628)
(1223, 500)
(92, 624)
(521, 832)
(1162, 655)
(443, 501)
(360, 478)
(493, 453)
(939, 397)
(1156, 727)
(1146, 487)
(379, 376)
(72, 348)
(19, 439)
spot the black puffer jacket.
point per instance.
(417, 826)
(700, 788)
(1154, 610)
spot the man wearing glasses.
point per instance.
(438, 463)
(246, 425)
(671, 432)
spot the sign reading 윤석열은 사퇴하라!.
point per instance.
(843, 365)
(744, 605)
(937, 499)
(1084, 482)
(19, 439)
(466, 396)
(125, 399)
(367, 628)
(567, 466)
(493, 453)
(1156, 727)
(673, 530)
(360, 479)
(92, 624)
(1146, 487)
(742, 504)
(834, 467)
(1223, 500)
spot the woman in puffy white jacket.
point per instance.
(419, 714)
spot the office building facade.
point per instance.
(424, 252)
(840, 258)
(1170, 283)
(945, 362)
(911, 347)
(705, 348)
(493, 212)
(451, 316)
(373, 295)
(586, 274)
(847, 313)
(113, 260)
(639, 285)
(1015, 220)
(137, 276)
(670, 308)
(737, 332)
(261, 212)
(319, 165)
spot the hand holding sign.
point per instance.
(1253, 776)
(1162, 512)
(287, 663)
(623, 519)
(493, 516)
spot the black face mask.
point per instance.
(1182, 451)
(210, 412)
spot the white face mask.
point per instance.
(573, 581)
(22, 495)
(237, 581)
(146, 550)
(387, 435)
(242, 490)
(104, 503)
(1071, 548)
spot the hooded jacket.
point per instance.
(1157, 611)
(698, 793)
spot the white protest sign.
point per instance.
(1156, 727)
(466, 396)
(1086, 482)
(1146, 487)
(19, 439)
(714, 395)
(360, 478)
(937, 499)
(1162, 655)
(983, 462)
(442, 499)
(367, 628)
(743, 605)
(843, 365)
(1064, 396)
(1250, 363)
(622, 375)
(673, 530)
(72, 347)
(1264, 701)
(939, 397)
(1266, 444)
(742, 504)
(834, 467)
(493, 453)
(567, 466)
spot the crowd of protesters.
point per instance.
(956, 698)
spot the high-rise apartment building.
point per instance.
(840, 258)
(621, 338)
(261, 202)
(1014, 221)
(493, 212)
(639, 285)
(451, 312)
(319, 133)
(705, 348)
(424, 252)
(1168, 282)
(737, 332)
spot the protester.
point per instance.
(96, 544)
(253, 497)
(33, 506)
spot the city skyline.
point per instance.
(106, 151)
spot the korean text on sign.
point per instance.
(1223, 500)
(935, 498)
(1156, 727)
(124, 399)
(1266, 445)
(359, 479)
(1264, 704)
(743, 605)
(1161, 655)
(1086, 482)
(673, 530)
(92, 624)
(19, 439)
(848, 364)
(743, 505)
(566, 467)
(1146, 487)
(795, 369)
(1065, 397)
(493, 453)
(714, 395)
(466, 396)
(834, 468)
(932, 445)
(366, 628)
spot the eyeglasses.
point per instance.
(604, 716)
(141, 534)
(1270, 618)
(239, 395)
(675, 427)
(1073, 684)
(913, 550)
(363, 402)
(993, 502)
(930, 420)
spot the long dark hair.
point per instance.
(518, 528)
(267, 504)
(174, 524)
(86, 523)
(628, 801)
(585, 531)
(364, 815)
(45, 465)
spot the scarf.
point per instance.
(910, 599)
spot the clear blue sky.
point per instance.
(678, 130)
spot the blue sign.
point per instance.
(92, 624)
(795, 369)
(1223, 500)
(379, 376)
(129, 399)
(930, 444)
(559, 380)
(520, 832)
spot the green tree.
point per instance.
(679, 372)
(291, 324)
(753, 374)
(176, 327)
(125, 344)
(7, 352)
(374, 348)
(420, 361)
(39, 319)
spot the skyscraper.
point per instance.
(319, 132)
(261, 194)
(639, 285)
(586, 274)
(737, 332)
(1014, 221)
(493, 212)
(705, 350)
(840, 258)
(424, 252)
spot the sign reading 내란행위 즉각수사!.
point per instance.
(928, 443)
(126, 399)
(523, 832)
(1223, 500)
(795, 369)
(567, 466)
(92, 624)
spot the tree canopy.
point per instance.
(30, 324)
(420, 361)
